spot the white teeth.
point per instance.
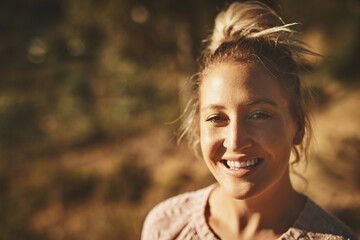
(231, 164)
(237, 164)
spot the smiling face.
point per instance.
(246, 128)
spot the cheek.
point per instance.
(210, 142)
(206, 141)
(275, 138)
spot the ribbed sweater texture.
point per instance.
(183, 218)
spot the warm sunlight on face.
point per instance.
(246, 129)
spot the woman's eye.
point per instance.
(260, 116)
(216, 119)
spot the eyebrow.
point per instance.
(213, 107)
(262, 101)
(248, 103)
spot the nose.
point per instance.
(237, 137)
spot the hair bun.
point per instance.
(244, 20)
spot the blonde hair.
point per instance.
(252, 32)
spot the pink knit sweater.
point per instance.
(183, 218)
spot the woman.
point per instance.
(247, 115)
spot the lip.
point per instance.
(242, 172)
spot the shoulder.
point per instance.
(171, 216)
(316, 223)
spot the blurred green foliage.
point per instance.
(76, 73)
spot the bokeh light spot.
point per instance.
(139, 14)
(37, 51)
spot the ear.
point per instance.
(300, 132)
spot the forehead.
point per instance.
(239, 81)
(236, 73)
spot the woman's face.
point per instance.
(246, 128)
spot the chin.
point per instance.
(240, 191)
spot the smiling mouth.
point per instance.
(236, 165)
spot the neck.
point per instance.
(274, 210)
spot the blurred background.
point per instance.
(88, 91)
